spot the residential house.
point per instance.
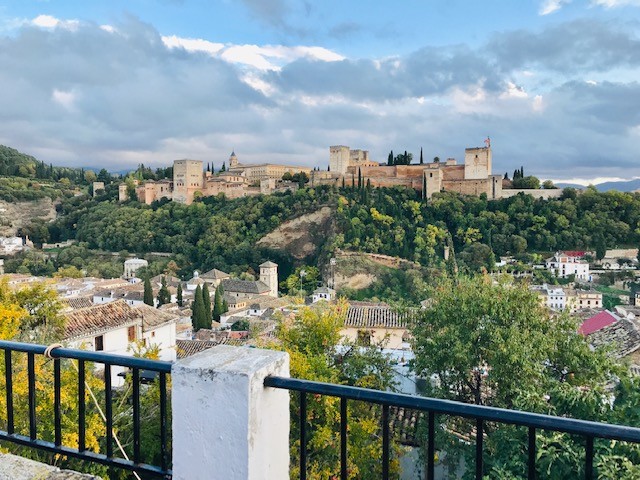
(112, 327)
(323, 293)
(624, 337)
(563, 265)
(369, 323)
(597, 322)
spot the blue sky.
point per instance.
(116, 83)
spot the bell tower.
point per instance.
(233, 160)
(269, 276)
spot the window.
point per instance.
(131, 333)
(99, 343)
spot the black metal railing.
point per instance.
(136, 365)
(432, 406)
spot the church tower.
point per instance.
(233, 160)
(269, 276)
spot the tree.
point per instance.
(206, 300)
(436, 159)
(224, 167)
(475, 336)
(311, 338)
(601, 247)
(477, 257)
(198, 312)
(164, 296)
(148, 292)
(218, 299)
(548, 184)
(179, 299)
(421, 159)
(390, 158)
(359, 178)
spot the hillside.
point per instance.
(302, 236)
(17, 164)
(15, 215)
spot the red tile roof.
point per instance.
(597, 322)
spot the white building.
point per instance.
(323, 293)
(112, 327)
(563, 266)
(132, 265)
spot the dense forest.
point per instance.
(393, 221)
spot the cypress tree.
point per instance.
(421, 159)
(343, 182)
(179, 295)
(225, 306)
(206, 300)
(197, 310)
(353, 182)
(359, 178)
(390, 158)
(224, 167)
(218, 304)
(163, 295)
(406, 158)
(148, 292)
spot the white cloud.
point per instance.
(66, 99)
(265, 57)
(550, 6)
(616, 3)
(47, 21)
(192, 44)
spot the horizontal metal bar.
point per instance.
(86, 455)
(98, 357)
(449, 407)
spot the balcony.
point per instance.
(230, 410)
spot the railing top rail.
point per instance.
(99, 357)
(449, 407)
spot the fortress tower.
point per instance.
(233, 160)
(339, 157)
(269, 276)
(477, 163)
(187, 179)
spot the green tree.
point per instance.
(206, 300)
(421, 158)
(601, 247)
(390, 158)
(179, 295)
(148, 292)
(198, 313)
(164, 296)
(477, 257)
(473, 339)
(311, 338)
(218, 299)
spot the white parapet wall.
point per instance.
(226, 424)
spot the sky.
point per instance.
(114, 83)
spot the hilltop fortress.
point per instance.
(239, 180)
(346, 166)
(474, 177)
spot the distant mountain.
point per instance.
(569, 185)
(622, 186)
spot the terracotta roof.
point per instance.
(78, 302)
(623, 336)
(269, 264)
(597, 322)
(244, 286)
(215, 274)
(153, 318)
(371, 315)
(186, 348)
(97, 319)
